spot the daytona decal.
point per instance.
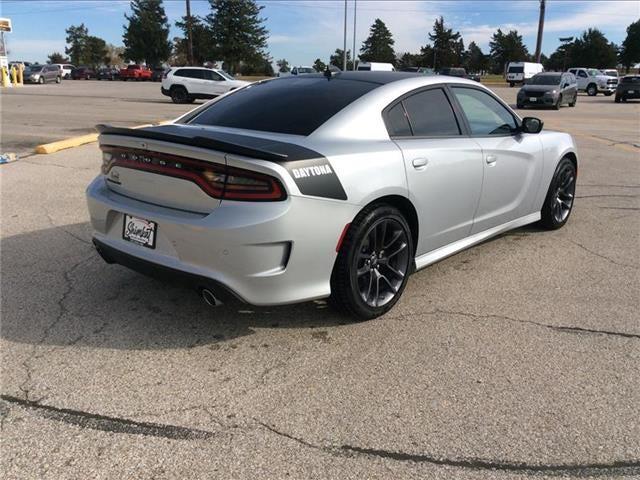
(316, 177)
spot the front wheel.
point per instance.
(559, 202)
(617, 99)
(592, 90)
(558, 103)
(41, 80)
(373, 263)
(58, 79)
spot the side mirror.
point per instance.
(531, 125)
(565, 85)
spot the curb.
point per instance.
(73, 142)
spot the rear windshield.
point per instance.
(630, 80)
(293, 105)
(516, 70)
(364, 68)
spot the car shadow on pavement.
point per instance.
(58, 291)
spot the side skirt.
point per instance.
(455, 247)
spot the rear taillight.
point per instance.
(217, 181)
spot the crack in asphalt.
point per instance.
(110, 424)
(62, 311)
(608, 195)
(620, 264)
(558, 328)
(58, 227)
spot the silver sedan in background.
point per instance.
(337, 185)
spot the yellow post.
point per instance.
(20, 74)
(13, 73)
(5, 77)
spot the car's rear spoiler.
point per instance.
(245, 145)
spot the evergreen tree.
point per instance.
(57, 57)
(146, 37)
(408, 60)
(201, 41)
(445, 44)
(337, 61)
(378, 47)
(95, 52)
(237, 31)
(426, 56)
(592, 49)
(319, 65)
(560, 60)
(476, 61)
(283, 66)
(76, 39)
(630, 50)
(507, 48)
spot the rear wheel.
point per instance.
(58, 79)
(592, 90)
(511, 84)
(559, 202)
(520, 105)
(558, 103)
(618, 98)
(573, 102)
(373, 263)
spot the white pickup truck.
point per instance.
(593, 81)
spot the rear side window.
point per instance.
(516, 69)
(293, 105)
(189, 73)
(431, 114)
(397, 122)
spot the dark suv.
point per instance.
(629, 87)
(459, 72)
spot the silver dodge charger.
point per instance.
(337, 185)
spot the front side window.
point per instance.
(582, 74)
(430, 114)
(486, 116)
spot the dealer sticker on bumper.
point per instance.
(140, 231)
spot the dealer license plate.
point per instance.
(533, 99)
(140, 231)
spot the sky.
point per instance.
(303, 30)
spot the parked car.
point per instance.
(82, 73)
(156, 74)
(186, 84)
(108, 73)
(611, 72)
(593, 81)
(375, 67)
(629, 87)
(420, 70)
(135, 72)
(65, 69)
(458, 72)
(42, 74)
(549, 89)
(295, 189)
(521, 72)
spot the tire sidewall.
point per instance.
(358, 229)
(548, 218)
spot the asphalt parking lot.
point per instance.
(518, 358)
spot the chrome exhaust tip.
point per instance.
(209, 298)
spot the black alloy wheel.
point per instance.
(560, 196)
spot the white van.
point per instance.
(520, 72)
(375, 67)
(65, 69)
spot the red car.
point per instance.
(136, 72)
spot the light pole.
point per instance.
(189, 35)
(344, 52)
(540, 30)
(355, 4)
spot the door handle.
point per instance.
(419, 163)
(491, 159)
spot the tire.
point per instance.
(592, 90)
(558, 103)
(511, 84)
(41, 81)
(124, 79)
(520, 106)
(575, 99)
(179, 94)
(560, 197)
(366, 282)
(617, 99)
(58, 79)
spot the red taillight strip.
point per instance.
(199, 172)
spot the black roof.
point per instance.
(368, 76)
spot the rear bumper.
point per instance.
(165, 91)
(627, 94)
(267, 253)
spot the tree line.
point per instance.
(234, 32)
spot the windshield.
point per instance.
(545, 80)
(593, 72)
(631, 80)
(225, 74)
(306, 70)
(34, 68)
(611, 73)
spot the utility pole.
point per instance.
(355, 2)
(344, 52)
(189, 35)
(540, 30)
